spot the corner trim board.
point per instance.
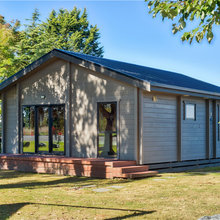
(138, 126)
(19, 116)
(214, 129)
(3, 149)
(179, 128)
(70, 108)
(207, 130)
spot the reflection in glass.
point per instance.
(58, 128)
(107, 130)
(28, 130)
(48, 122)
(43, 129)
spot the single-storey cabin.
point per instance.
(81, 106)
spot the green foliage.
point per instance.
(71, 31)
(68, 30)
(207, 12)
(32, 43)
(9, 36)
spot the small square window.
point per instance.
(190, 111)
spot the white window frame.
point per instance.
(189, 114)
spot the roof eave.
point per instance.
(12, 79)
(76, 60)
(159, 87)
(145, 85)
(142, 84)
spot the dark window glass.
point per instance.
(58, 128)
(43, 129)
(107, 117)
(28, 130)
(107, 132)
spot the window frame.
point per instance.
(113, 132)
(50, 106)
(185, 111)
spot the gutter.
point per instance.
(183, 90)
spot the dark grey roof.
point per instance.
(156, 77)
(149, 74)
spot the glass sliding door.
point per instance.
(28, 129)
(43, 129)
(58, 129)
(107, 129)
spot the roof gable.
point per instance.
(139, 76)
(151, 75)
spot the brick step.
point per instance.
(131, 169)
(121, 163)
(139, 174)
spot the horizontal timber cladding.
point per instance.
(46, 86)
(194, 131)
(211, 120)
(159, 128)
(89, 88)
(11, 122)
(218, 130)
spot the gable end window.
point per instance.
(189, 111)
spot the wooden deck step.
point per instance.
(121, 163)
(91, 167)
(139, 174)
(132, 169)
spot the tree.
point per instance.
(71, 31)
(67, 30)
(207, 12)
(9, 36)
(33, 43)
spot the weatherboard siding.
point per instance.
(217, 139)
(49, 82)
(159, 128)
(211, 130)
(194, 132)
(11, 121)
(89, 88)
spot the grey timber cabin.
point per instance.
(77, 105)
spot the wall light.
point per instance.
(154, 98)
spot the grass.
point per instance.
(187, 195)
(31, 147)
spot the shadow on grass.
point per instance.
(8, 210)
(55, 183)
(11, 174)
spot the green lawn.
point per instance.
(188, 195)
(31, 147)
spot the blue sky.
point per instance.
(130, 34)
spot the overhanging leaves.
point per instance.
(206, 11)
